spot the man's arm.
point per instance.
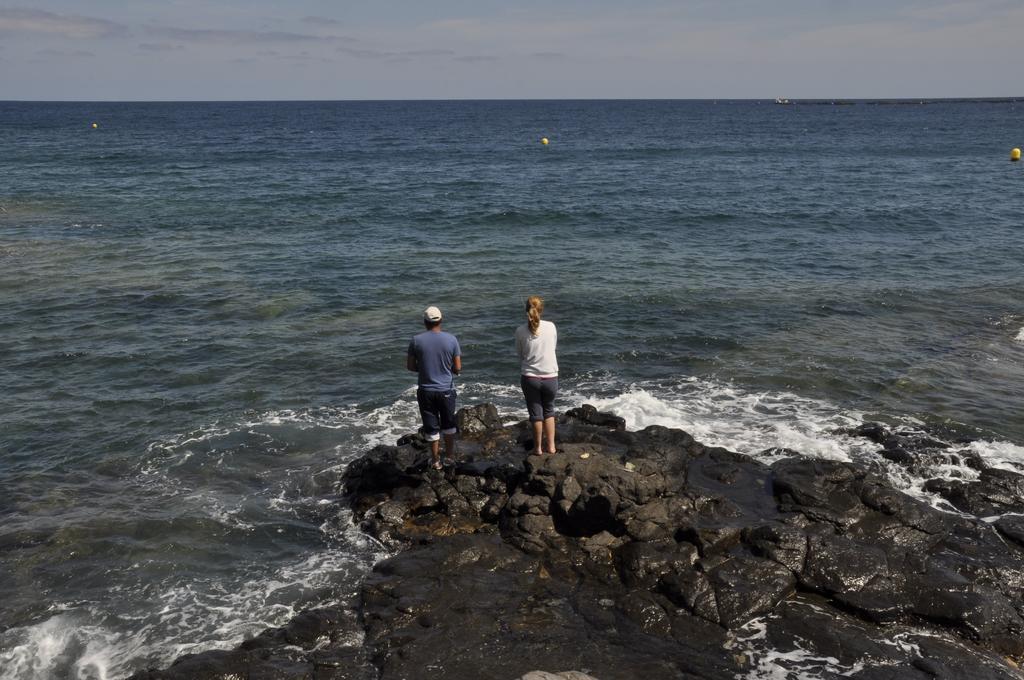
(457, 365)
(410, 356)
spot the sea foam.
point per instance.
(65, 645)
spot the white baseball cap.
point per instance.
(431, 314)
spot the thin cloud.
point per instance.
(892, 39)
(160, 47)
(429, 53)
(959, 13)
(524, 28)
(366, 53)
(471, 27)
(238, 37)
(476, 58)
(20, 20)
(303, 56)
(321, 21)
(601, 36)
(65, 53)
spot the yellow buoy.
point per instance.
(544, 141)
(95, 125)
(1015, 154)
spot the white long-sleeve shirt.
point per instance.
(537, 353)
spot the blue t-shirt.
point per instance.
(435, 353)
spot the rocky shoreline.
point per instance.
(647, 554)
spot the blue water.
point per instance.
(206, 307)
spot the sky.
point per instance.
(523, 49)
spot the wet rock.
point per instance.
(307, 629)
(381, 471)
(821, 490)
(813, 640)
(785, 545)
(591, 416)
(899, 456)
(642, 564)
(321, 644)
(732, 592)
(670, 449)
(474, 421)
(476, 607)
(647, 554)
(648, 611)
(855, 575)
(977, 612)
(1012, 527)
(746, 587)
(995, 492)
(876, 432)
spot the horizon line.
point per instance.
(789, 100)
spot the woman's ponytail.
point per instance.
(534, 308)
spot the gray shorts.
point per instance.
(540, 396)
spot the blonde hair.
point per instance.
(534, 308)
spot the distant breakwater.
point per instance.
(898, 102)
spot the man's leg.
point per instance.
(449, 423)
(431, 424)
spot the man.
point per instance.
(435, 355)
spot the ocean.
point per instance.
(206, 307)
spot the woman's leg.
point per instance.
(549, 388)
(531, 392)
(538, 436)
(549, 434)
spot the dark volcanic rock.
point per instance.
(320, 644)
(591, 416)
(921, 452)
(474, 421)
(647, 554)
(995, 492)
(804, 635)
(475, 607)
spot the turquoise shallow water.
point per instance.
(205, 310)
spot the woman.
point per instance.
(535, 345)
